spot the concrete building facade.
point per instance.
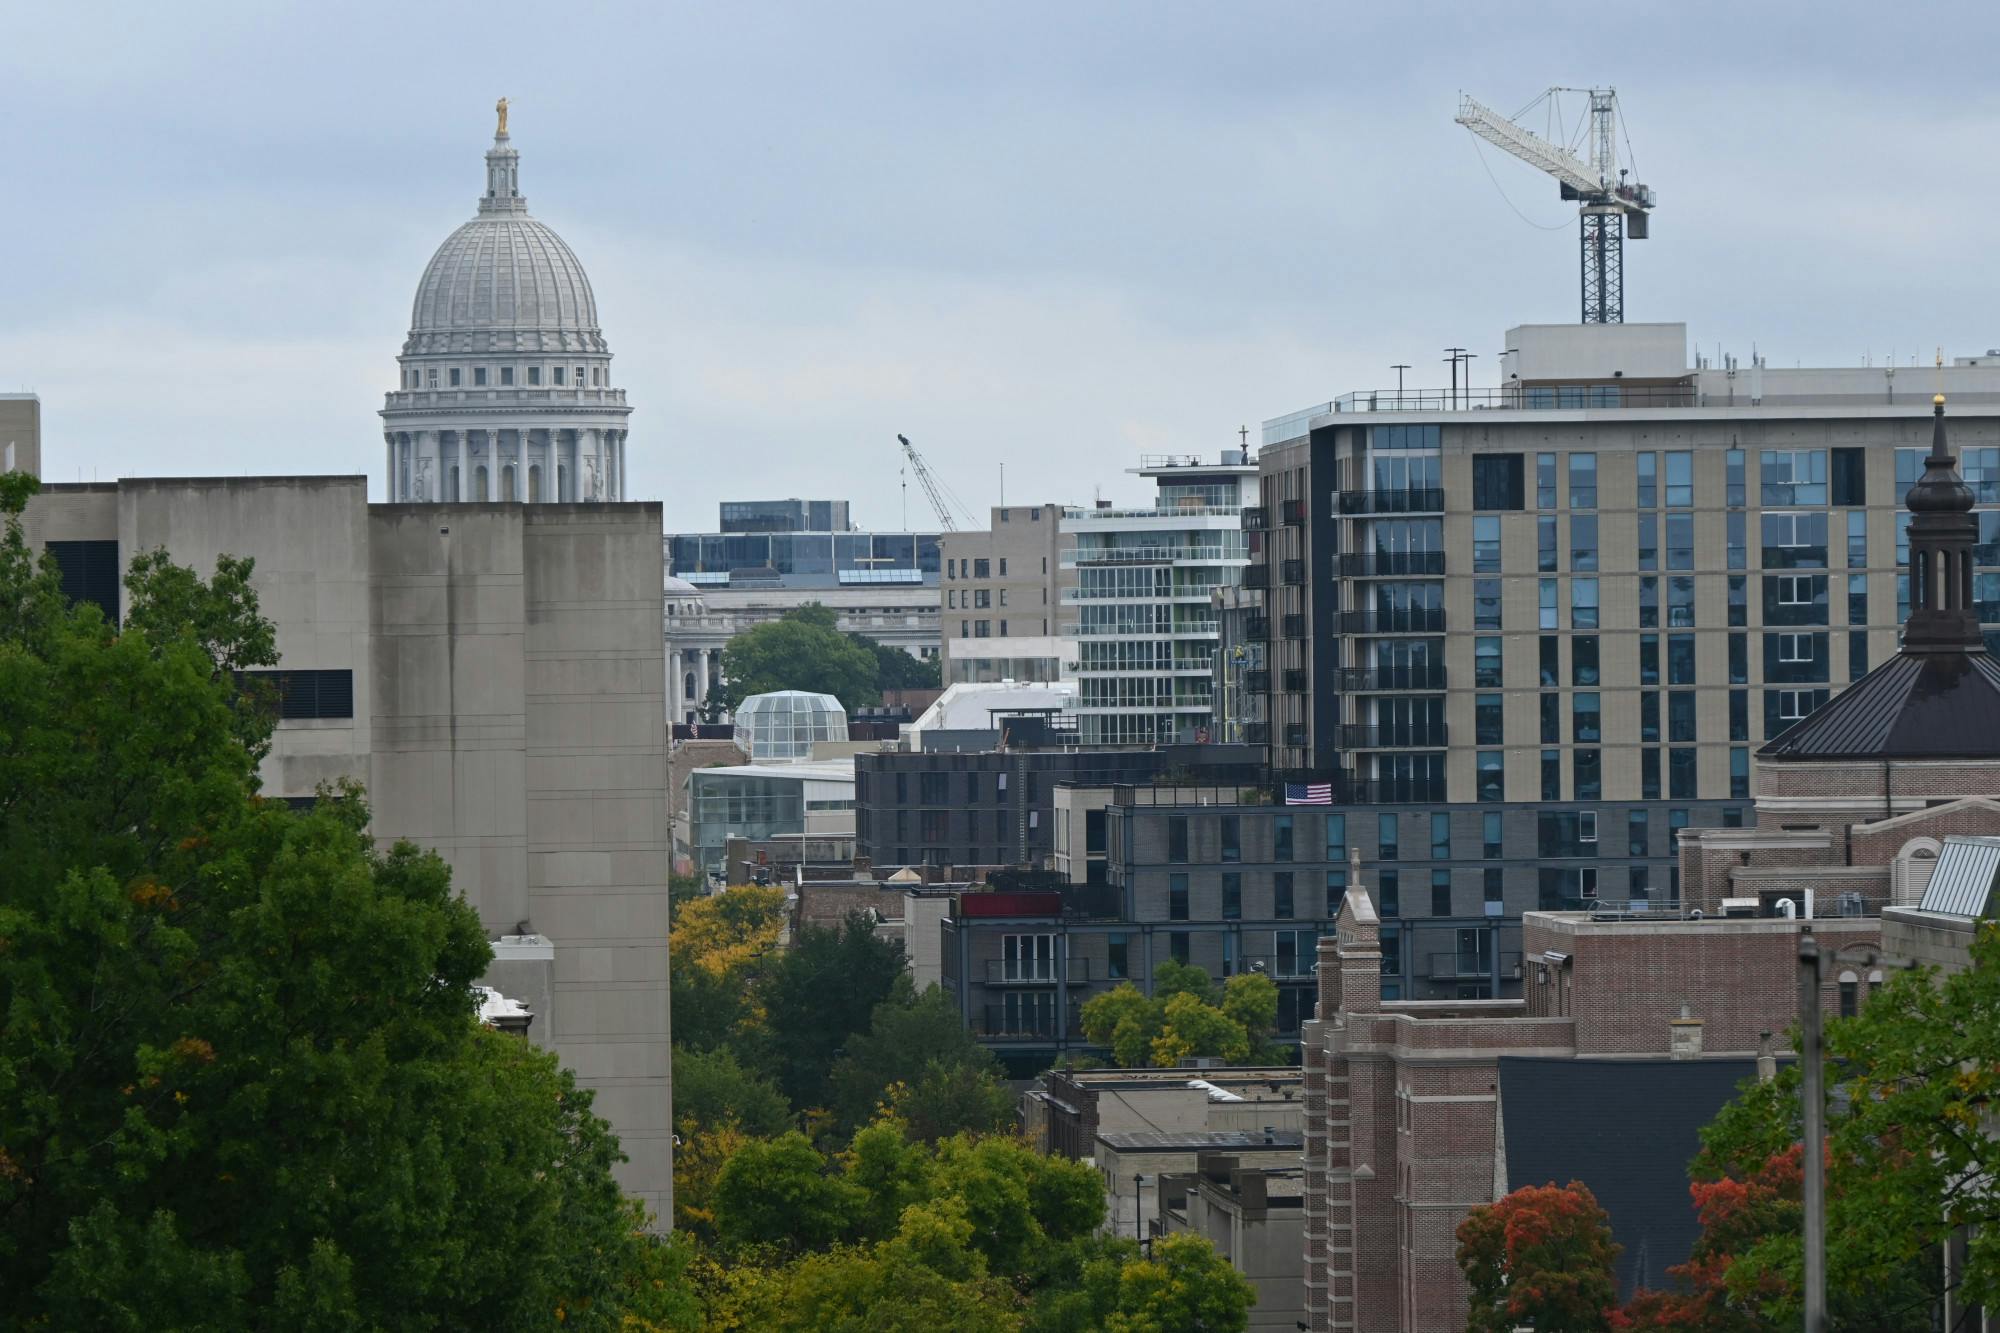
(492, 674)
(21, 433)
(1003, 598)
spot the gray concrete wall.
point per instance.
(21, 433)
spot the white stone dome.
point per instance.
(680, 587)
(505, 274)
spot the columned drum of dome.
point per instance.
(504, 385)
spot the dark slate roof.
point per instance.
(1627, 1129)
(1914, 706)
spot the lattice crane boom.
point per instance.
(932, 490)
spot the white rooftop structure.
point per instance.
(785, 724)
(971, 706)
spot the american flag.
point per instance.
(1308, 793)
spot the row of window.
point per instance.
(1289, 833)
(1586, 767)
(454, 377)
(1785, 477)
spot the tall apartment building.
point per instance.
(21, 433)
(1002, 595)
(492, 673)
(1145, 619)
(1605, 581)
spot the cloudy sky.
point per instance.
(1054, 235)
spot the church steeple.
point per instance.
(1943, 532)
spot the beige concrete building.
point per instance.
(493, 673)
(1253, 1217)
(1001, 597)
(21, 433)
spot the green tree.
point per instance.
(1107, 1284)
(242, 1084)
(801, 650)
(898, 670)
(1540, 1258)
(817, 995)
(1185, 1017)
(711, 1089)
(918, 1058)
(780, 1192)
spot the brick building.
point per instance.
(1407, 1104)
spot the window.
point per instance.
(1281, 895)
(90, 573)
(307, 693)
(1583, 481)
(1857, 655)
(1795, 599)
(1857, 539)
(1486, 663)
(1027, 957)
(1177, 946)
(1680, 773)
(951, 569)
(1680, 715)
(1231, 837)
(1794, 541)
(1850, 994)
(1583, 541)
(1734, 526)
(1003, 561)
(1336, 891)
(1549, 649)
(1440, 893)
(1336, 838)
(982, 629)
(1485, 545)
(1583, 602)
(1638, 884)
(1281, 837)
(1680, 541)
(1649, 659)
(431, 377)
(1545, 544)
(1566, 833)
(1784, 707)
(1177, 897)
(1003, 597)
(1680, 479)
(1115, 947)
(1649, 715)
(1177, 839)
(1493, 881)
(1849, 477)
(1649, 601)
(1492, 775)
(1734, 489)
(982, 598)
(1649, 774)
(1486, 603)
(1545, 604)
(577, 379)
(1552, 774)
(1649, 541)
(1292, 952)
(559, 374)
(534, 374)
(1387, 841)
(1585, 718)
(1583, 659)
(1739, 601)
(1496, 481)
(1587, 773)
(982, 568)
(1441, 836)
(1389, 884)
(1551, 711)
(1795, 658)
(1649, 490)
(1490, 826)
(1739, 659)
(1680, 601)
(1545, 481)
(1488, 720)
(1739, 715)
(1638, 833)
(452, 377)
(1857, 599)
(1232, 895)
(1680, 659)
(1792, 476)
(506, 375)
(478, 376)
(1739, 771)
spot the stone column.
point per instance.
(458, 450)
(621, 465)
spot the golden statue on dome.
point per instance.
(501, 107)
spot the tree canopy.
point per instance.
(1539, 1258)
(1186, 1016)
(242, 1081)
(804, 649)
(918, 1059)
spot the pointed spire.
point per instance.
(503, 171)
(1943, 532)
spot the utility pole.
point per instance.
(1813, 1159)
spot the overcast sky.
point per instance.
(1051, 235)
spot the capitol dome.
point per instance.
(504, 390)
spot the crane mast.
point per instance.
(1609, 208)
(930, 485)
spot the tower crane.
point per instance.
(1610, 208)
(941, 498)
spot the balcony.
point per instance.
(1450, 966)
(1410, 620)
(1036, 972)
(996, 1025)
(1293, 571)
(1391, 564)
(1393, 679)
(1257, 681)
(1295, 735)
(1256, 576)
(1253, 518)
(1295, 626)
(1292, 512)
(1393, 736)
(1398, 791)
(1256, 733)
(1295, 680)
(1413, 500)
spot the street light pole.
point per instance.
(1813, 1161)
(1399, 368)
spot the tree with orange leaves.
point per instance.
(1541, 1258)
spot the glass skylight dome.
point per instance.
(785, 723)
